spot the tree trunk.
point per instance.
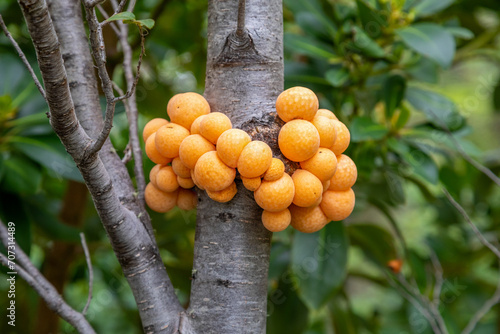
(231, 257)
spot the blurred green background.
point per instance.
(404, 76)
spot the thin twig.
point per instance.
(106, 16)
(90, 269)
(42, 286)
(410, 298)
(483, 169)
(495, 299)
(472, 225)
(118, 9)
(23, 57)
(240, 30)
(93, 3)
(438, 276)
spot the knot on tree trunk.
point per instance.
(239, 49)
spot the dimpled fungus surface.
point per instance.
(275, 171)
(187, 199)
(297, 103)
(213, 174)
(307, 220)
(308, 188)
(192, 148)
(326, 130)
(153, 153)
(152, 126)
(255, 159)
(323, 164)
(166, 180)
(213, 125)
(298, 140)
(251, 184)
(276, 195)
(346, 174)
(180, 169)
(158, 200)
(343, 138)
(185, 108)
(230, 144)
(224, 195)
(169, 138)
(338, 205)
(326, 113)
(276, 221)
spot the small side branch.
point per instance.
(90, 269)
(23, 57)
(43, 287)
(478, 233)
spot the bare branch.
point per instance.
(438, 276)
(412, 299)
(118, 9)
(43, 287)
(495, 299)
(106, 16)
(91, 271)
(240, 30)
(92, 3)
(483, 169)
(478, 233)
(23, 57)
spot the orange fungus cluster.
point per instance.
(200, 148)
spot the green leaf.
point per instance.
(376, 242)
(337, 76)
(422, 165)
(307, 46)
(21, 176)
(122, 16)
(438, 109)
(371, 20)
(319, 263)
(48, 156)
(429, 7)
(424, 70)
(430, 40)
(496, 97)
(314, 7)
(403, 117)
(393, 93)
(148, 23)
(364, 128)
(362, 43)
(460, 32)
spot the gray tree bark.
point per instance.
(122, 215)
(231, 257)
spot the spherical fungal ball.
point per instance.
(326, 185)
(308, 220)
(187, 199)
(169, 138)
(194, 180)
(323, 164)
(152, 174)
(213, 174)
(185, 182)
(153, 153)
(298, 140)
(276, 195)
(255, 159)
(343, 138)
(224, 195)
(158, 200)
(275, 171)
(326, 113)
(180, 169)
(276, 221)
(185, 108)
(166, 180)
(346, 174)
(213, 125)
(338, 205)
(326, 130)
(152, 126)
(192, 148)
(308, 188)
(195, 127)
(297, 103)
(251, 184)
(230, 144)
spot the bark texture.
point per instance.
(231, 258)
(122, 215)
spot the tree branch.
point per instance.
(22, 56)
(91, 271)
(40, 284)
(477, 232)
